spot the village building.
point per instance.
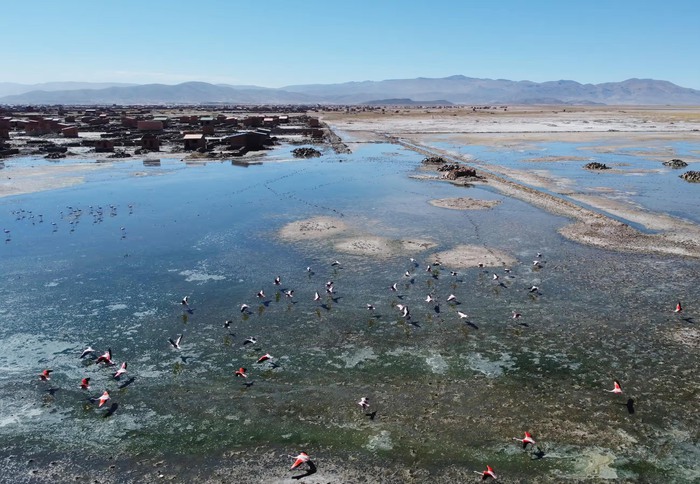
(104, 146)
(70, 132)
(194, 141)
(150, 142)
(149, 125)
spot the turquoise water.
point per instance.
(114, 277)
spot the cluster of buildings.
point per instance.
(116, 129)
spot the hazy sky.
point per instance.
(275, 43)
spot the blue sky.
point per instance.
(275, 43)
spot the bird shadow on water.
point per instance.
(471, 325)
(311, 470)
(127, 382)
(629, 404)
(110, 411)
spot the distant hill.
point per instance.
(11, 88)
(453, 89)
(406, 102)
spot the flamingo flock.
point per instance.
(106, 358)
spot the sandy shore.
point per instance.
(344, 237)
(464, 203)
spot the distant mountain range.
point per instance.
(453, 89)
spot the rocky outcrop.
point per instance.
(676, 163)
(691, 176)
(433, 160)
(459, 172)
(594, 165)
(306, 152)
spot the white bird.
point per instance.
(364, 403)
(370, 307)
(406, 313)
(289, 293)
(330, 290)
(429, 298)
(87, 351)
(495, 277)
(536, 263)
(428, 269)
(451, 297)
(185, 301)
(516, 315)
(462, 315)
(278, 281)
(407, 274)
(120, 371)
(534, 289)
(453, 273)
(227, 323)
(260, 294)
(317, 296)
(176, 343)
(335, 263)
(308, 269)
(244, 307)
(393, 287)
(250, 340)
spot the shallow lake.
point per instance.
(108, 262)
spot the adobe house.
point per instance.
(165, 120)
(314, 123)
(129, 122)
(150, 142)
(250, 140)
(104, 146)
(70, 132)
(149, 125)
(194, 141)
(252, 121)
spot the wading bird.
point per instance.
(175, 344)
(45, 375)
(264, 357)
(120, 371)
(300, 459)
(86, 352)
(106, 357)
(85, 383)
(617, 390)
(103, 399)
(526, 440)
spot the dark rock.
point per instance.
(120, 154)
(594, 165)
(460, 173)
(305, 152)
(54, 156)
(691, 176)
(676, 163)
(433, 160)
(449, 167)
